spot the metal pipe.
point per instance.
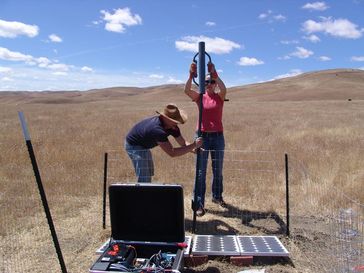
(42, 192)
(201, 73)
(287, 193)
(104, 195)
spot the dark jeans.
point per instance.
(213, 144)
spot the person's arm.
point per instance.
(222, 88)
(219, 81)
(181, 141)
(188, 90)
(173, 152)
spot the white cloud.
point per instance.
(172, 80)
(324, 58)
(265, 15)
(60, 73)
(270, 17)
(5, 70)
(246, 61)
(289, 42)
(59, 67)
(312, 38)
(342, 28)
(357, 58)
(287, 57)
(292, 73)
(156, 76)
(55, 38)
(6, 54)
(7, 79)
(42, 62)
(14, 29)
(210, 24)
(117, 21)
(212, 45)
(33, 78)
(86, 69)
(316, 6)
(279, 17)
(301, 53)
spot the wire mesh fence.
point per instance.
(326, 222)
(253, 185)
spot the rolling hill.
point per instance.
(335, 84)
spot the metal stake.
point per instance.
(287, 193)
(42, 192)
(104, 195)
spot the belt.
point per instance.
(211, 134)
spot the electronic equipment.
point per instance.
(147, 229)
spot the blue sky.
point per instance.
(85, 44)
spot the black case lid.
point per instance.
(147, 212)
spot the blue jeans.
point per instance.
(142, 161)
(215, 145)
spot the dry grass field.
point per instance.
(316, 118)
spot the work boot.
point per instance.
(200, 212)
(220, 202)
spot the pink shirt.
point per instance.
(212, 113)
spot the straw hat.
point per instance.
(172, 113)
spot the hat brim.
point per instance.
(182, 114)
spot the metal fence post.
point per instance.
(104, 193)
(287, 193)
(42, 192)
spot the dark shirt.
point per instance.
(149, 131)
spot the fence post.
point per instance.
(104, 194)
(42, 192)
(287, 193)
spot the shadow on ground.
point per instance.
(248, 218)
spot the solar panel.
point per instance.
(229, 245)
(215, 245)
(261, 246)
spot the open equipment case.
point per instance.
(147, 229)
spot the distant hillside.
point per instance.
(335, 84)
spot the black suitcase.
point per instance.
(147, 229)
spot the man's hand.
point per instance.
(199, 142)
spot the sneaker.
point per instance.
(200, 212)
(221, 202)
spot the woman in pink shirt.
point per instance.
(212, 134)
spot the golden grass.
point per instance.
(324, 139)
